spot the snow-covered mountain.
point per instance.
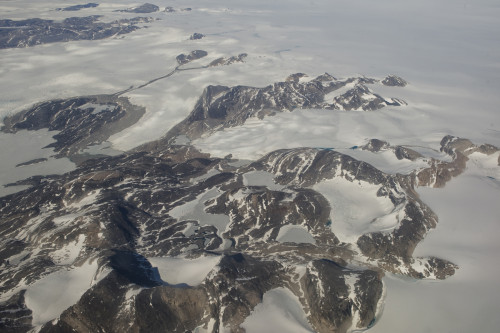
(189, 182)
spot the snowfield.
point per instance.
(356, 209)
(180, 270)
(280, 311)
(54, 293)
(468, 209)
(26, 146)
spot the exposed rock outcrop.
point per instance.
(220, 106)
(394, 81)
(35, 31)
(81, 121)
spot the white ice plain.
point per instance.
(295, 234)
(25, 146)
(467, 234)
(445, 50)
(181, 270)
(280, 311)
(54, 293)
(356, 209)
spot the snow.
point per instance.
(429, 152)
(98, 108)
(351, 281)
(104, 148)
(210, 327)
(209, 174)
(25, 146)
(321, 129)
(330, 96)
(182, 270)
(280, 311)
(87, 200)
(66, 255)
(130, 297)
(195, 210)
(190, 229)
(295, 234)
(29, 231)
(468, 209)
(65, 220)
(423, 59)
(447, 51)
(54, 293)
(386, 161)
(438, 94)
(261, 178)
(485, 165)
(355, 208)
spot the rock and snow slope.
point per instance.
(174, 205)
(312, 220)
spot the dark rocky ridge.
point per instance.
(196, 35)
(79, 7)
(401, 152)
(14, 315)
(130, 218)
(328, 293)
(35, 31)
(183, 59)
(81, 121)
(393, 251)
(90, 120)
(439, 172)
(130, 224)
(228, 61)
(142, 9)
(35, 161)
(220, 106)
(394, 81)
(123, 206)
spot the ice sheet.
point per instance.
(355, 208)
(280, 311)
(26, 146)
(295, 234)
(181, 270)
(195, 210)
(54, 293)
(445, 50)
(468, 209)
(261, 178)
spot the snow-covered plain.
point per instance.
(295, 234)
(280, 311)
(26, 146)
(261, 178)
(467, 234)
(182, 270)
(356, 209)
(54, 293)
(448, 50)
(195, 210)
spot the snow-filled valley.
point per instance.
(184, 216)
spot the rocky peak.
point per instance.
(394, 81)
